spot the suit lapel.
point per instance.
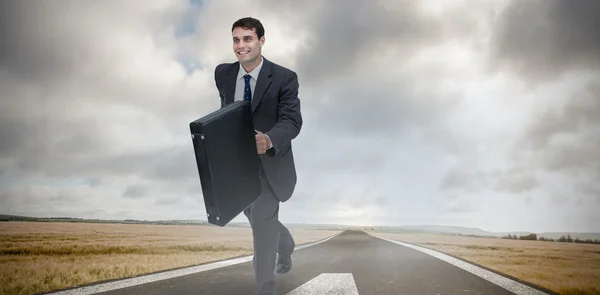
(263, 82)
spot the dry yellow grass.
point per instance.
(40, 257)
(565, 268)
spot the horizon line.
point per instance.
(316, 224)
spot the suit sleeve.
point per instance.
(217, 71)
(289, 122)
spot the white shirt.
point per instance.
(240, 84)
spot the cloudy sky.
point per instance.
(473, 113)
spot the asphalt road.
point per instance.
(350, 263)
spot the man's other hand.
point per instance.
(262, 142)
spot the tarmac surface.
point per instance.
(351, 263)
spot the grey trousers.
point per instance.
(270, 238)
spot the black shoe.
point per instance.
(284, 266)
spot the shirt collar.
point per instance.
(254, 73)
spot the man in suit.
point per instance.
(273, 92)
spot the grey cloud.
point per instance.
(571, 157)
(169, 201)
(73, 106)
(174, 167)
(382, 201)
(349, 160)
(43, 42)
(566, 137)
(564, 141)
(81, 100)
(590, 188)
(67, 148)
(462, 206)
(13, 198)
(135, 192)
(463, 179)
(353, 91)
(383, 106)
(556, 154)
(166, 164)
(514, 181)
(36, 196)
(580, 115)
(452, 203)
(467, 177)
(348, 35)
(61, 61)
(61, 86)
(543, 39)
(14, 137)
(345, 38)
(350, 32)
(48, 145)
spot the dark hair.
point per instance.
(250, 23)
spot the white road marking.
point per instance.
(144, 279)
(506, 283)
(328, 284)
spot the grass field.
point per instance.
(565, 268)
(44, 256)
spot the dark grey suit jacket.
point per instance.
(276, 112)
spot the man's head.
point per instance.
(248, 38)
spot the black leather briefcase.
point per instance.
(227, 160)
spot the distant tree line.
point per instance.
(93, 220)
(529, 237)
(562, 239)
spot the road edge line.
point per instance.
(167, 274)
(502, 281)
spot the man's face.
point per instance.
(246, 45)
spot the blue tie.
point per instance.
(247, 91)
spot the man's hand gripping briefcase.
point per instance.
(227, 160)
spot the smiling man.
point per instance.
(273, 93)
